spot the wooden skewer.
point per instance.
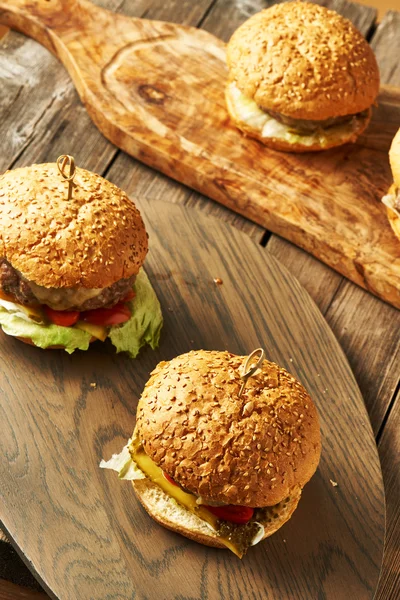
(248, 372)
(63, 161)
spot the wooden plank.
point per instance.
(389, 452)
(362, 16)
(368, 331)
(386, 45)
(93, 540)
(38, 103)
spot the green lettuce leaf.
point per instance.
(143, 327)
(124, 465)
(44, 335)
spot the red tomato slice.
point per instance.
(233, 513)
(130, 296)
(65, 318)
(116, 315)
(168, 478)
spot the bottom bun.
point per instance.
(279, 143)
(59, 347)
(168, 513)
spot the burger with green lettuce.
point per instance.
(71, 255)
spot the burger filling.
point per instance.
(392, 200)
(29, 293)
(270, 124)
(238, 527)
(127, 312)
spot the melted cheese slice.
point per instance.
(96, 331)
(155, 474)
(63, 298)
(246, 110)
(27, 313)
(133, 463)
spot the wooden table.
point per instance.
(42, 117)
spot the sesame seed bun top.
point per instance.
(394, 156)
(253, 450)
(92, 240)
(304, 61)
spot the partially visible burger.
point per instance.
(223, 469)
(70, 268)
(301, 78)
(392, 198)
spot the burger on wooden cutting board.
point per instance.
(301, 78)
(392, 198)
(71, 253)
(222, 447)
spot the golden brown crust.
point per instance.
(251, 450)
(156, 503)
(304, 61)
(283, 145)
(92, 241)
(394, 156)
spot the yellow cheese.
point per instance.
(155, 474)
(33, 312)
(96, 331)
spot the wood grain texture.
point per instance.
(386, 45)
(363, 17)
(68, 125)
(150, 117)
(389, 452)
(88, 537)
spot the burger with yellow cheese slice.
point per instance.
(217, 458)
(71, 255)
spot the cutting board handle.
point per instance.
(41, 19)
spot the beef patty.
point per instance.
(13, 284)
(309, 126)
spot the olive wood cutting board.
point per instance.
(81, 530)
(156, 90)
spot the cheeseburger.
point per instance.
(217, 458)
(392, 199)
(71, 254)
(301, 78)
